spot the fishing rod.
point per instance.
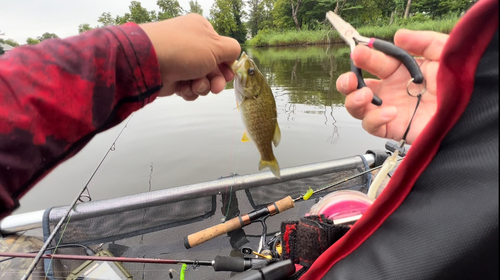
(241, 221)
(70, 208)
(220, 263)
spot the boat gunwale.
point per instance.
(81, 211)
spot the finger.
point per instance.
(227, 50)
(376, 120)
(428, 44)
(227, 72)
(200, 86)
(375, 62)
(186, 93)
(357, 103)
(217, 81)
(348, 82)
(430, 69)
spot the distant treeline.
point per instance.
(247, 19)
(328, 35)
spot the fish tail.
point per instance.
(273, 165)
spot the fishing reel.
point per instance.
(271, 250)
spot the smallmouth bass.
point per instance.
(256, 103)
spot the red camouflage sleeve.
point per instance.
(56, 96)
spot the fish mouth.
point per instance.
(238, 66)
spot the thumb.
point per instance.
(228, 51)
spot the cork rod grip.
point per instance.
(202, 236)
(285, 204)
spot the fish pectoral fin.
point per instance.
(273, 165)
(238, 105)
(277, 135)
(245, 137)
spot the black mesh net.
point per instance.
(158, 231)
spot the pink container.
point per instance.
(342, 204)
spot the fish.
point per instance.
(255, 101)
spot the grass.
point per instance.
(312, 37)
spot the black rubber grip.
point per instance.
(276, 271)
(409, 62)
(359, 75)
(236, 264)
(361, 83)
(186, 243)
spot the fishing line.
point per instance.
(343, 181)
(419, 98)
(58, 242)
(230, 163)
(67, 214)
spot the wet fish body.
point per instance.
(256, 103)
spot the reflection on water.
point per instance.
(172, 142)
(306, 75)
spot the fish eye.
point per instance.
(251, 71)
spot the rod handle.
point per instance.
(210, 233)
(284, 204)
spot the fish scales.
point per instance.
(256, 103)
(260, 117)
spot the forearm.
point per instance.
(57, 95)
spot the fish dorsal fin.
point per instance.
(277, 135)
(245, 137)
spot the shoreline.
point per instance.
(275, 38)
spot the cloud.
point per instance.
(31, 18)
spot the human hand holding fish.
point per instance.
(193, 58)
(391, 119)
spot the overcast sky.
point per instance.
(20, 19)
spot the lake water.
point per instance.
(172, 142)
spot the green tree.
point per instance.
(168, 9)
(123, 19)
(31, 41)
(9, 42)
(225, 16)
(106, 19)
(312, 12)
(84, 27)
(195, 7)
(282, 15)
(153, 16)
(260, 16)
(46, 36)
(138, 14)
(439, 8)
(362, 12)
(1, 50)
